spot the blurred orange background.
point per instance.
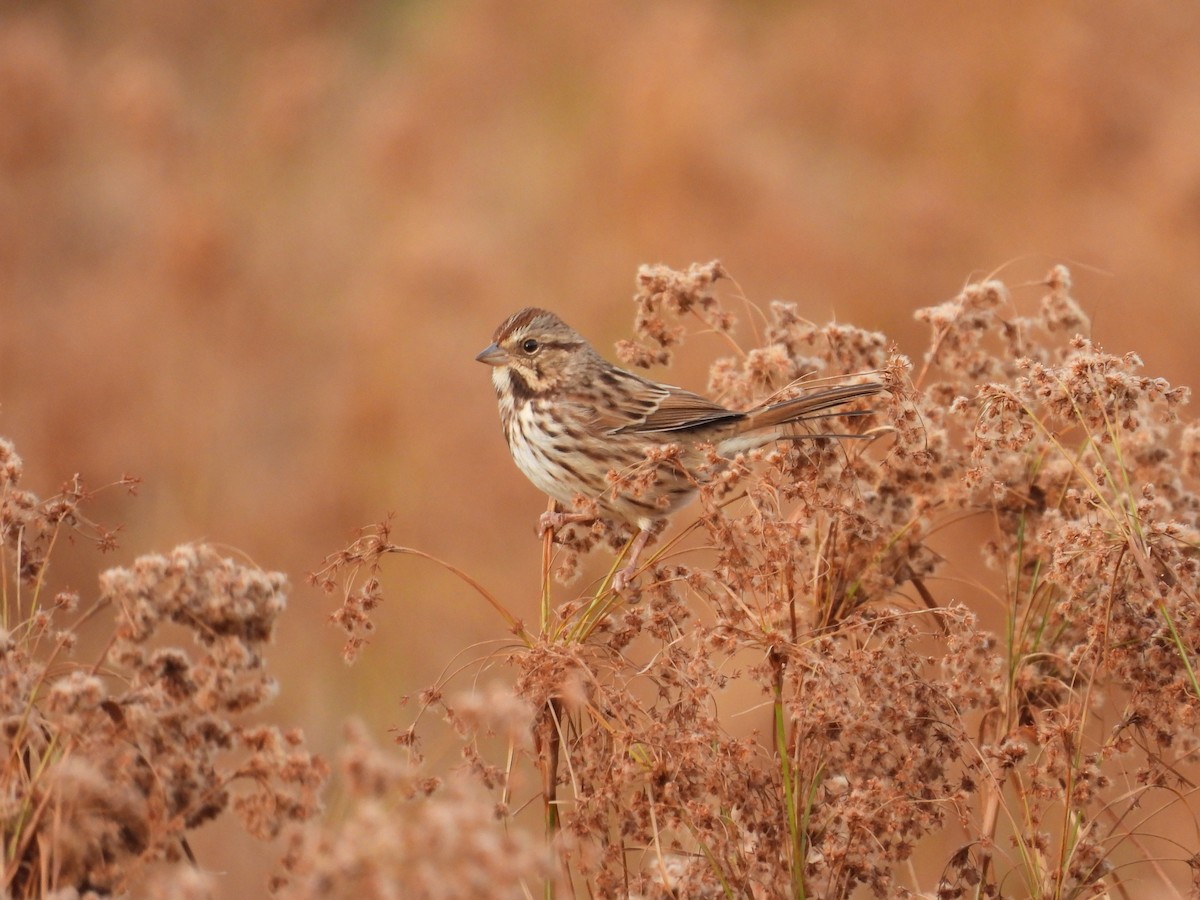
(249, 249)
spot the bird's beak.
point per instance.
(493, 355)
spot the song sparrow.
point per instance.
(571, 417)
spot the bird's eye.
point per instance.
(530, 345)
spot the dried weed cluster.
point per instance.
(108, 763)
(796, 696)
(951, 656)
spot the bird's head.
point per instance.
(534, 351)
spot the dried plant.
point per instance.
(108, 764)
(954, 656)
(412, 835)
(1040, 741)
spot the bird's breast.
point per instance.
(542, 450)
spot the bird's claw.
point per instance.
(624, 578)
(629, 571)
(552, 521)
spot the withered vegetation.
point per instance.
(972, 626)
(952, 654)
(109, 761)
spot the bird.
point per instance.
(571, 417)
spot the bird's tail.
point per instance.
(813, 405)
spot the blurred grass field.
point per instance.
(248, 250)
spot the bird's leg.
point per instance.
(622, 579)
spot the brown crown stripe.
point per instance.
(519, 319)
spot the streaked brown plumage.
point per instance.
(571, 417)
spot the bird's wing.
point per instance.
(640, 406)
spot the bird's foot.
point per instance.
(624, 578)
(554, 520)
(629, 571)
